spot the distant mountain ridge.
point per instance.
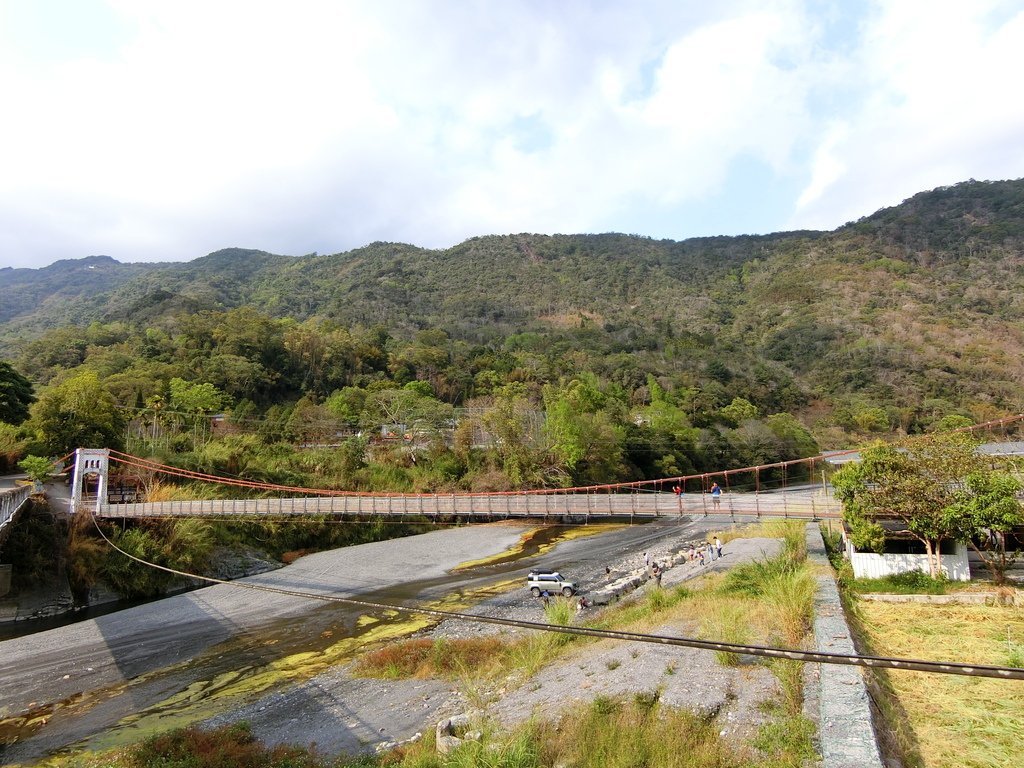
(99, 288)
(921, 299)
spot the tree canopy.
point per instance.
(934, 488)
(77, 413)
(16, 395)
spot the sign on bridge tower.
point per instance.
(89, 463)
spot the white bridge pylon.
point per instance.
(90, 462)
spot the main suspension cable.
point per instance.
(655, 485)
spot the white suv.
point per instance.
(551, 582)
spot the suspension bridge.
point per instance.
(742, 494)
(796, 489)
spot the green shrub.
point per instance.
(231, 746)
(788, 741)
(751, 579)
(907, 583)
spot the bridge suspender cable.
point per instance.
(635, 486)
(876, 662)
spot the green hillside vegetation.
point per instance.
(527, 360)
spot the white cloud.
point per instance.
(325, 125)
(939, 109)
(827, 167)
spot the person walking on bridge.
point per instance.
(716, 495)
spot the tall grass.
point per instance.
(518, 751)
(616, 733)
(790, 675)
(948, 721)
(560, 611)
(423, 658)
(657, 599)
(751, 579)
(728, 621)
(232, 746)
(790, 597)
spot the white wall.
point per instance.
(871, 566)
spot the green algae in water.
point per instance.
(205, 699)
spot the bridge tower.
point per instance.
(89, 461)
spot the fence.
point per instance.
(799, 504)
(11, 501)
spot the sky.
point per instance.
(163, 130)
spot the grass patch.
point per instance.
(657, 598)
(941, 720)
(639, 614)
(728, 621)
(423, 658)
(560, 611)
(1014, 655)
(784, 585)
(616, 733)
(790, 675)
(788, 741)
(752, 579)
(790, 598)
(232, 746)
(909, 583)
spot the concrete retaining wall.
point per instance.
(847, 736)
(636, 578)
(961, 598)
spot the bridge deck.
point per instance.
(11, 500)
(809, 504)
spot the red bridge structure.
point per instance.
(792, 489)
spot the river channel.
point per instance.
(207, 673)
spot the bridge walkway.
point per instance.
(11, 501)
(803, 503)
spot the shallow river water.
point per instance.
(254, 661)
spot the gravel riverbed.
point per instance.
(338, 712)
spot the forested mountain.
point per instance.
(894, 322)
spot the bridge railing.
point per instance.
(11, 500)
(497, 506)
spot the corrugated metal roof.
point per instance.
(838, 458)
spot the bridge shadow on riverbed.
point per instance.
(119, 677)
